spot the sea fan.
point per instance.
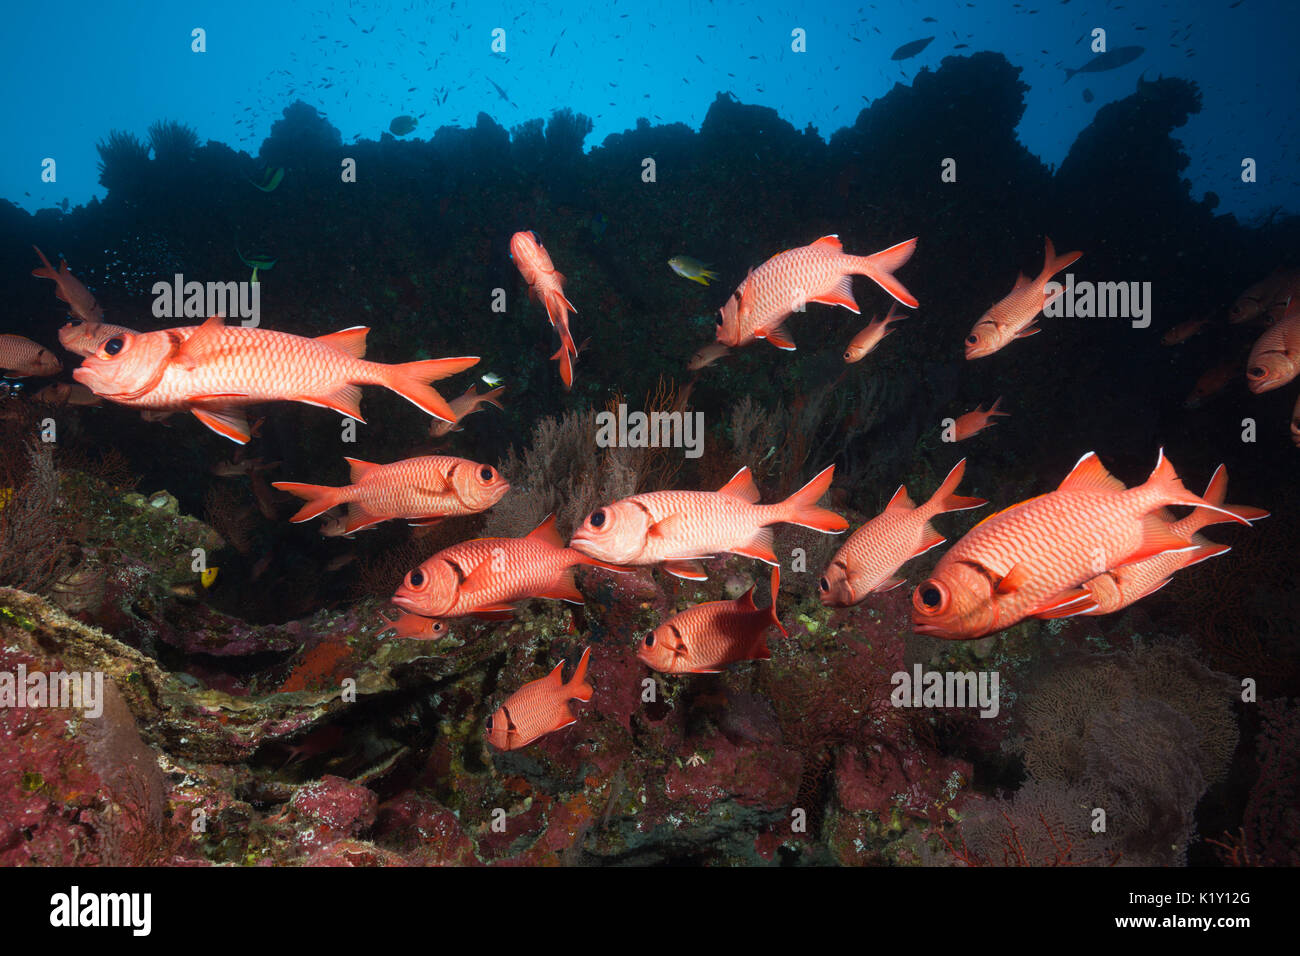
(172, 141)
(123, 160)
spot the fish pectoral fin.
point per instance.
(888, 585)
(565, 589)
(759, 548)
(687, 568)
(425, 522)
(777, 336)
(1029, 330)
(1066, 604)
(841, 295)
(1013, 580)
(205, 341)
(226, 420)
(667, 527)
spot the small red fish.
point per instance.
(84, 338)
(866, 341)
(213, 370)
(1212, 382)
(705, 638)
(818, 272)
(539, 707)
(972, 423)
(678, 528)
(69, 288)
(546, 284)
(706, 355)
(1012, 317)
(21, 358)
(416, 489)
(1268, 297)
(66, 393)
(1275, 358)
(1183, 331)
(466, 404)
(867, 561)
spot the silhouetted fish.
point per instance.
(1110, 60)
(909, 50)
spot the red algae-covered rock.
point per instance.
(337, 804)
(916, 783)
(353, 853)
(424, 832)
(765, 776)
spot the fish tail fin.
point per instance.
(1069, 74)
(1052, 263)
(944, 498)
(880, 268)
(1216, 492)
(48, 271)
(319, 498)
(493, 397)
(578, 686)
(411, 381)
(776, 588)
(566, 365)
(1166, 484)
(801, 507)
(994, 408)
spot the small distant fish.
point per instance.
(1013, 316)
(972, 423)
(1087, 96)
(208, 576)
(1110, 60)
(70, 289)
(491, 379)
(705, 638)
(269, 179)
(1212, 382)
(909, 50)
(466, 404)
(1269, 296)
(706, 355)
(693, 269)
(67, 393)
(539, 708)
(401, 125)
(84, 338)
(21, 358)
(418, 490)
(866, 341)
(1183, 331)
(546, 284)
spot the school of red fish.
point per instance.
(1091, 546)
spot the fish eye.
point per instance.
(972, 339)
(930, 596)
(597, 518)
(416, 578)
(74, 322)
(1257, 372)
(486, 473)
(824, 585)
(719, 322)
(114, 345)
(650, 639)
(488, 722)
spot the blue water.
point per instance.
(76, 71)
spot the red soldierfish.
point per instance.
(1295, 422)
(539, 707)
(1128, 583)
(1267, 297)
(547, 285)
(84, 338)
(213, 370)
(1183, 331)
(69, 288)
(972, 423)
(421, 490)
(485, 576)
(707, 637)
(1029, 560)
(679, 528)
(865, 341)
(819, 272)
(867, 561)
(20, 357)
(1013, 317)
(1275, 358)
(466, 404)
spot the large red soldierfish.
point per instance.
(84, 338)
(213, 371)
(1268, 297)
(420, 490)
(865, 342)
(1119, 588)
(1029, 560)
(705, 638)
(1275, 358)
(819, 272)
(466, 404)
(547, 285)
(867, 561)
(679, 528)
(539, 707)
(21, 357)
(1013, 316)
(486, 576)
(972, 423)
(69, 288)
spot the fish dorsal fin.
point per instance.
(546, 531)
(901, 500)
(1089, 474)
(829, 243)
(741, 486)
(746, 601)
(556, 677)
(1022, 280)
(351, 341)
(1014, 579)
(205, 340)
(358, 469)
